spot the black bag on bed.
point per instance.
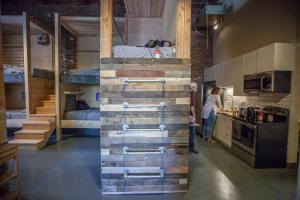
(82, 105)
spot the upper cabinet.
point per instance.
(228, 73)
(277, 56)
(210, 74)
(250, 63)
(238, 86)
(219, 68)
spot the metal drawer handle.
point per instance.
(161, 105)
(160, 174)
(161, 127)
(160, 150)
(126, 81)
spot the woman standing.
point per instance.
(209, 113)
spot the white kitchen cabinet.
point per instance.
(228, 74)
(219, 133)
(276, 56)
(238, 71)
(223, 129)
(227, 130)
(219, 68)
(209, 74)
(250, 63)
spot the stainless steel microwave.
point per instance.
(273, 81)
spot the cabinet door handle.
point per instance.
(160, 150)
(160, 174)
(126, 81)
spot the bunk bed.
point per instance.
(78, 67)
(79, 75)
(15, 48)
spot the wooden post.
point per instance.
(183, 32)
(27, 64)
(3, 132)
(57, 39)
(106, 29)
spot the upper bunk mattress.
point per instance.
(82, 76)
(15, 73)
(123, 51)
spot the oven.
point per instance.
(244, 135)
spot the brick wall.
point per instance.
(201, 58)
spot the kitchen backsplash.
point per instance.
(280, 100)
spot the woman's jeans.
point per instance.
(209, 125)
(192, 138)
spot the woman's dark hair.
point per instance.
(216, 90)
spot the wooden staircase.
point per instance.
(37, 130)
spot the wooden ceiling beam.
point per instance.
(183, 32)
(106, 29)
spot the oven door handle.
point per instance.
(245, 124)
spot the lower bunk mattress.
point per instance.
(91, 114)
(15, 118)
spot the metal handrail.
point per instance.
(160, 150)
(126, 128)
(161, 105)
(160, 174)
(126, 81)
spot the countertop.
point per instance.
(227, 113)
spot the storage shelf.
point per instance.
(6, 177)
(9, 152)
(9, 196)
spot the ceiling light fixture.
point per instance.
(216, 26)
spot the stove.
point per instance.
(261, 141)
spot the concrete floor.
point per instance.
(70, 171)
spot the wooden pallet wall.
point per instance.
(144, 161)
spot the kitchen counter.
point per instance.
(227, 113)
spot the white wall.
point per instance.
(169, 21)
(88, 51)
(90, 95)
(141, 30)
(251, 24)
(41, 55)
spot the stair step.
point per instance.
(48, 103)
(37, 132)
(28, 143)
(42, 117)
(31, 135)
(45, 110)
(50, 97)
(36, 125)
